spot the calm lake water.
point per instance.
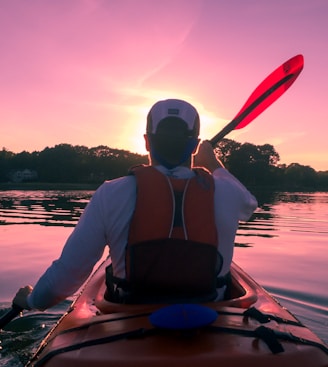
(284, 247)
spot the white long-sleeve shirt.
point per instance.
(105, 222)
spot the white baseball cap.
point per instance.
(175, 108)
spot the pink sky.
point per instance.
(86, 72)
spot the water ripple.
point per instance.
(42, 207)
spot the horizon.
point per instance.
(145, 154)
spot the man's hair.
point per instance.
(173, 143)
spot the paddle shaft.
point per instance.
(11, 314)
(268, 91)
(236, 121)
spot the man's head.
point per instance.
(172, 132)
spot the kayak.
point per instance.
(248, 328)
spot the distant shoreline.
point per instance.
(6, 186)
(25, 186)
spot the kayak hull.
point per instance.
(95, 332)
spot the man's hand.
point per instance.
(205, 157)
(21, 297)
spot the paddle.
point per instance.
(264, 95)
(11, 314)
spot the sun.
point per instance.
(132, 133)
(210, 124)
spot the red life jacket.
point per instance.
(171, 255)
(172, 245)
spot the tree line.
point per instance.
(254, 165)
(258, 166)
(65, 163)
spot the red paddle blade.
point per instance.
(264, 95)
(280, 80)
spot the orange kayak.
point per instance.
(249, 329)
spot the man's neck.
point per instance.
(154, 162)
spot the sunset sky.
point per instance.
(86, 72)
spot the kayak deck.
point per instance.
(251, 329)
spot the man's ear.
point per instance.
(196, 147)
(147, 144)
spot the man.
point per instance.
(143, 224)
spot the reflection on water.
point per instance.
(287, 253)
(283, 246)
(299, 212)
(61, 208)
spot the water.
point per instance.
(284, 247)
